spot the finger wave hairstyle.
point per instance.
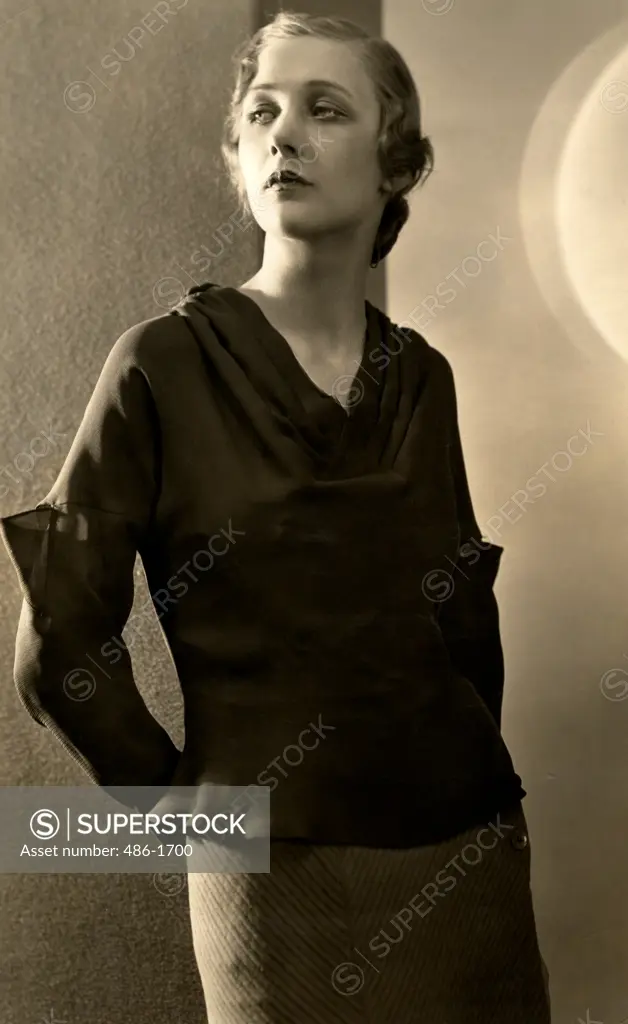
(402, 148)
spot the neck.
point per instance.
(318, 292)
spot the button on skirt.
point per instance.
(355, 935)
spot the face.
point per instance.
(325, 132)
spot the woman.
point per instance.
(346, 610)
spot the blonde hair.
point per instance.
(401, 147)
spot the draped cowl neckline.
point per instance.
(382, 393)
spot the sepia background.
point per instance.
(514, 264)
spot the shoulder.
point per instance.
(154, 336)
(156, 341)
(437, 365)
(148, 345)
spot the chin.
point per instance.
(293, 220)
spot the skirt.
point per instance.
(442, 933)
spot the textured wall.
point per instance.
(112, 181)
(527, 106)
(109, 186)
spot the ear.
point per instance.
(393, 185)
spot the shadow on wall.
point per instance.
(574, 180)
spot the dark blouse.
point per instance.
(319, 576)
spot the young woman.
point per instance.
(288, 465)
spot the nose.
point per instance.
(288, 153)
(279, 144)
(283, 139)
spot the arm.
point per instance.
(74, 554)
(469, 618)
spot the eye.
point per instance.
(323, 108)
(328, 110)
(252, 117)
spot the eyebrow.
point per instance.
(317, 82)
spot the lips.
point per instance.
(286, 178)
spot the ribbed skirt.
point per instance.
(440, 934)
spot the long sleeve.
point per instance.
(74, 554)
(469, 617)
